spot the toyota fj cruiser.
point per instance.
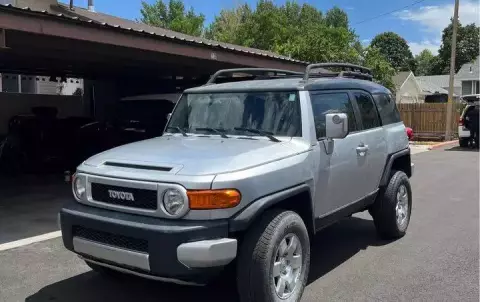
(250, 166)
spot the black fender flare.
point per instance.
(388, 167)
(242, 220)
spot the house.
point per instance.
(432, 93)
(423, 89)
(20, 83)
(407, 89)
(442, 81)
(469, 76)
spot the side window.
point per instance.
(368, 111)
(331, 103)
(387, 108)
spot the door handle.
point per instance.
(362, 150)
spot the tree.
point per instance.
(336, 17)
(396, 50)
(382, 71)
(468, 39)
(424, 61)
(294, 30)
(226, 27)
(173, 17)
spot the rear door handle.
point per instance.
(362, 150)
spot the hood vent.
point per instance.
(139, 167)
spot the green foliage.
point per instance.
(300, 31)
(396, 50)
(230, 26)
(173, 17)
(468, 39)
(294, 30)
(425, 61)
(336, 18)
(381, 68)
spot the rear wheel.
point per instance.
(463, 142)
(274, 259)
(393, 207)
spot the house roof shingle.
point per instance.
(429, 88)
(469, 71)
(85, 16)
(440, 80)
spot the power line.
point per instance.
(391, 12)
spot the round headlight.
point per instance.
(79, 187)
(174, 202)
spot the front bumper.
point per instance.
(169, 250)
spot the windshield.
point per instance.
(275, 113)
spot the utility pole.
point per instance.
(448, 131)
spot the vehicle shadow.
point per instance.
(465, 149)
(331, 247)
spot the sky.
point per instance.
(420, 22)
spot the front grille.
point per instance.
(127, 197)
(120, 241)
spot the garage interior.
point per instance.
(74, 83)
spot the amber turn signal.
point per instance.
(213, 199)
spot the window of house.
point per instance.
(10, 83)
(28, 84)
(368, 111)
(387, 108)
(324, 103)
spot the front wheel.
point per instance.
(392, 210)
(274, 259)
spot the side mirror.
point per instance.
(336, 125)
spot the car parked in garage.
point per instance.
(244, 175)
(41, 142)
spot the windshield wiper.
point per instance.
(179, 130)
(260, 132)
(217, 131)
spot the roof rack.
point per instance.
(251, 74)
(346, 71)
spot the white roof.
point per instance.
(440, 80)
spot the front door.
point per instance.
(340, 177)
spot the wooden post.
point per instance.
(448, 131)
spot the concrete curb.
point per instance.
(443, 144)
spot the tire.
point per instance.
(261, 249)
(105, 271)
(463, 142)
(384, 211)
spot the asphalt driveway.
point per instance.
(436, 261)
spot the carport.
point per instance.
(117, 58)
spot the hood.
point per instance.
(196, 155)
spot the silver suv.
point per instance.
(250, 166)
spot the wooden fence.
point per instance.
(429, 120)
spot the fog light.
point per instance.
(174, 202)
